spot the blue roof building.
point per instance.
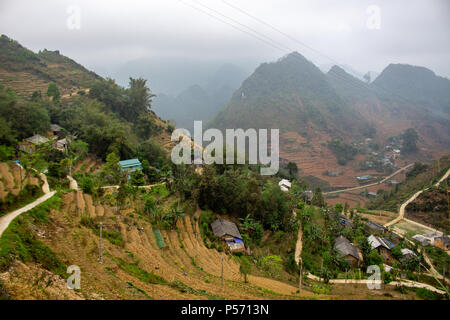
(130, 165)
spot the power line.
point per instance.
(305, 45)
(272, 42)
(231, 25)
(278, 30)
(245, 26)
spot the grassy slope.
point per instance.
(25, 71)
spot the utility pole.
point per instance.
(20, 168)
(443, 275)
(321, 269)
(222, 272)
(100, 244)
(300, 277)
(196, 244)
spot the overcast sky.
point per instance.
(112, 32)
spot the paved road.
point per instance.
(370, 184)
(8, 218)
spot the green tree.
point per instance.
(292, 169)
(410, 137)
(245, 267)
(6, 153)
(374, 258)
(145, 125)
(137, 178)
(111, 170)
(80, 148)
(139, 99)
(317, 199)
(53, 91)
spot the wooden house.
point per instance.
(228, 232)
(383, 246)
(347, 251)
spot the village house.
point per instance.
(29, 145)
(423, 240)
(344, 221)
(55, 129)
(130, 165)
(285, 185)
(371, 194)
(364, 178)
(442, 242)
(383, 246)
(63, 144)
(307, 196)
(408, 254)
(373, 227)
(347, 251)
(433, 239)
(228, 232)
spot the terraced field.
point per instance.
(89, 164)
(12, 179)
(189, 269)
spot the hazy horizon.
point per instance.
(119, 39)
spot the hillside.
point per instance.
(25, 71)
(312, 108)
(289, 94)
(419, 177)
(417, 84)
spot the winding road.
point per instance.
(9, 217)
(401, 212)
(371, 184)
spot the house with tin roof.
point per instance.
(383, 246)
(130, 165)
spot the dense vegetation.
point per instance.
(417, 178)
(343, 151)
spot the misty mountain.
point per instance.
(200, 102)
(290, 94)
(418, 85)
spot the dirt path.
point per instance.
(403, 283)
(8, 218)
(45, 186)
(72, 183)
(142, 187)
(299, 244)
(371, 184)
(401, 212)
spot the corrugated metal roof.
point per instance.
(130, 163)
(376, 242)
